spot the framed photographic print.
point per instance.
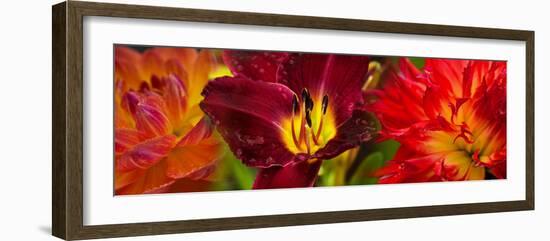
(171, 120)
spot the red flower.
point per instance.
(449, 117)
(285, 113)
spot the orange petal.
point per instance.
(127, 67)
(123, 179)
(186, 56)
(198, 77)
(125, 139)
(475, 172)
(201, 131)
(152, 180)
(152, 64)
(151, 117)
(457, 165)
(123, 119)
(188, 159)
(176, 99)
(145, 154)
(174, 67)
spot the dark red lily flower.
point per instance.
(286, 113)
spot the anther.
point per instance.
(306, 98)
(305, 95)
(308, 118)
(309, 104)
(324, 106)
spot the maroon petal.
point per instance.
(256, 65)
(248, 114)
(361, 127)
(341, 77)
(302, 174)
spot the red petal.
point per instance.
(145, 154)
(399, 104)
(256, 65)
(361, 127)
(187, 185)
(341, 77)
(447, 74)
(409, 70)
(302, 174)
(248, 114)
(408, 166)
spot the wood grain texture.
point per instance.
(67, 78)
(59, 127)
(530, 119)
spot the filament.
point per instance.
(295, 108)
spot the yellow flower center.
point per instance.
(311, 124)
(467, 145)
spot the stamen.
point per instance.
(304, 108)
(305, 95)
(307, 141)
(325, 104)
(324, 108)
(308, 118)
(306, 98)
(315, 138)
(295, 106)
(309, 103)
(303, 135)
(310, 126)
(295, 109)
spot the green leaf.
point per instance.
(417, 61)
(232, 174)
(378, 155)
(387, 148)
(363, 174)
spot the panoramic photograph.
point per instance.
(198, 119)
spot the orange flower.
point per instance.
(161, 135)
(450, 119)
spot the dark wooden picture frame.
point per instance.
(67, 150)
